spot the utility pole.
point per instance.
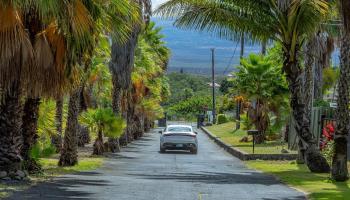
(239, 103)
(213, 81)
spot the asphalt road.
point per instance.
(140, 172)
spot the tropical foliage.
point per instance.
(54, 51)
(260, 81)
(287, 22)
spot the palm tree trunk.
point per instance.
(29, 132)
(57, 139)
(308, 92)
(69, 151)
(339, 164)
(121, 67)
(10, 129)
(113, 145)
(314, 160)
(98, 145)
(263, 47)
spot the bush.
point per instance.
(222, 119)
(247, 124)
(42, 150)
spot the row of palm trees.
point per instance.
(47, 50)
(292, 23)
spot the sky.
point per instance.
(156, 3)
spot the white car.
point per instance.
(178, 137)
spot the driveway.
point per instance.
(140, 172)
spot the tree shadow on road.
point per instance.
(215, 178)
(61, 188)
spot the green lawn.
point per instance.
(50, 167)
(228, 135)
(317, 186)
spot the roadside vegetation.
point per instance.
(282, 85)
(76, 75)
(315, 185)
(226, 133)
(190, 94)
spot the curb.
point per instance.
(244, 156)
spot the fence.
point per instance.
(320, 117)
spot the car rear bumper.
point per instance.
(179, 146)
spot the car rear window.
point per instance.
(179, 129)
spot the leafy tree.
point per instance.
(225, 86)
(288, 22)
(191, 107)
(181, 85)
(330, 77)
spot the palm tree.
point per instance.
(285, 21)
(107, 17)
(259, 80)
(339, 163)
(33, 55)
(122, 61)
(151, 61)
(103, 122)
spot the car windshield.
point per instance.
(179, 129)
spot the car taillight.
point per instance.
(194, 136)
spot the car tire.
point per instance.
(162, 150)
(194, 151)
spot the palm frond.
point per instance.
(16, 51)
(224, 18)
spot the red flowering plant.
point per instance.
(327, 135)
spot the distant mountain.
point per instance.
(191, 50)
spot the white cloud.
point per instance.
(156, 3)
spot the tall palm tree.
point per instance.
(150, 64)
(108, 17)
(285, 21)
(122, 61)
(339, 164)
(33, 53)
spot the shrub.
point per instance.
(222, 119)
(42, 150)
(247, 124)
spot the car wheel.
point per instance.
(194, 151)
(162, 150)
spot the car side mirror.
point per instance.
(196, 133)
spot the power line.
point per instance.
(230, 62)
